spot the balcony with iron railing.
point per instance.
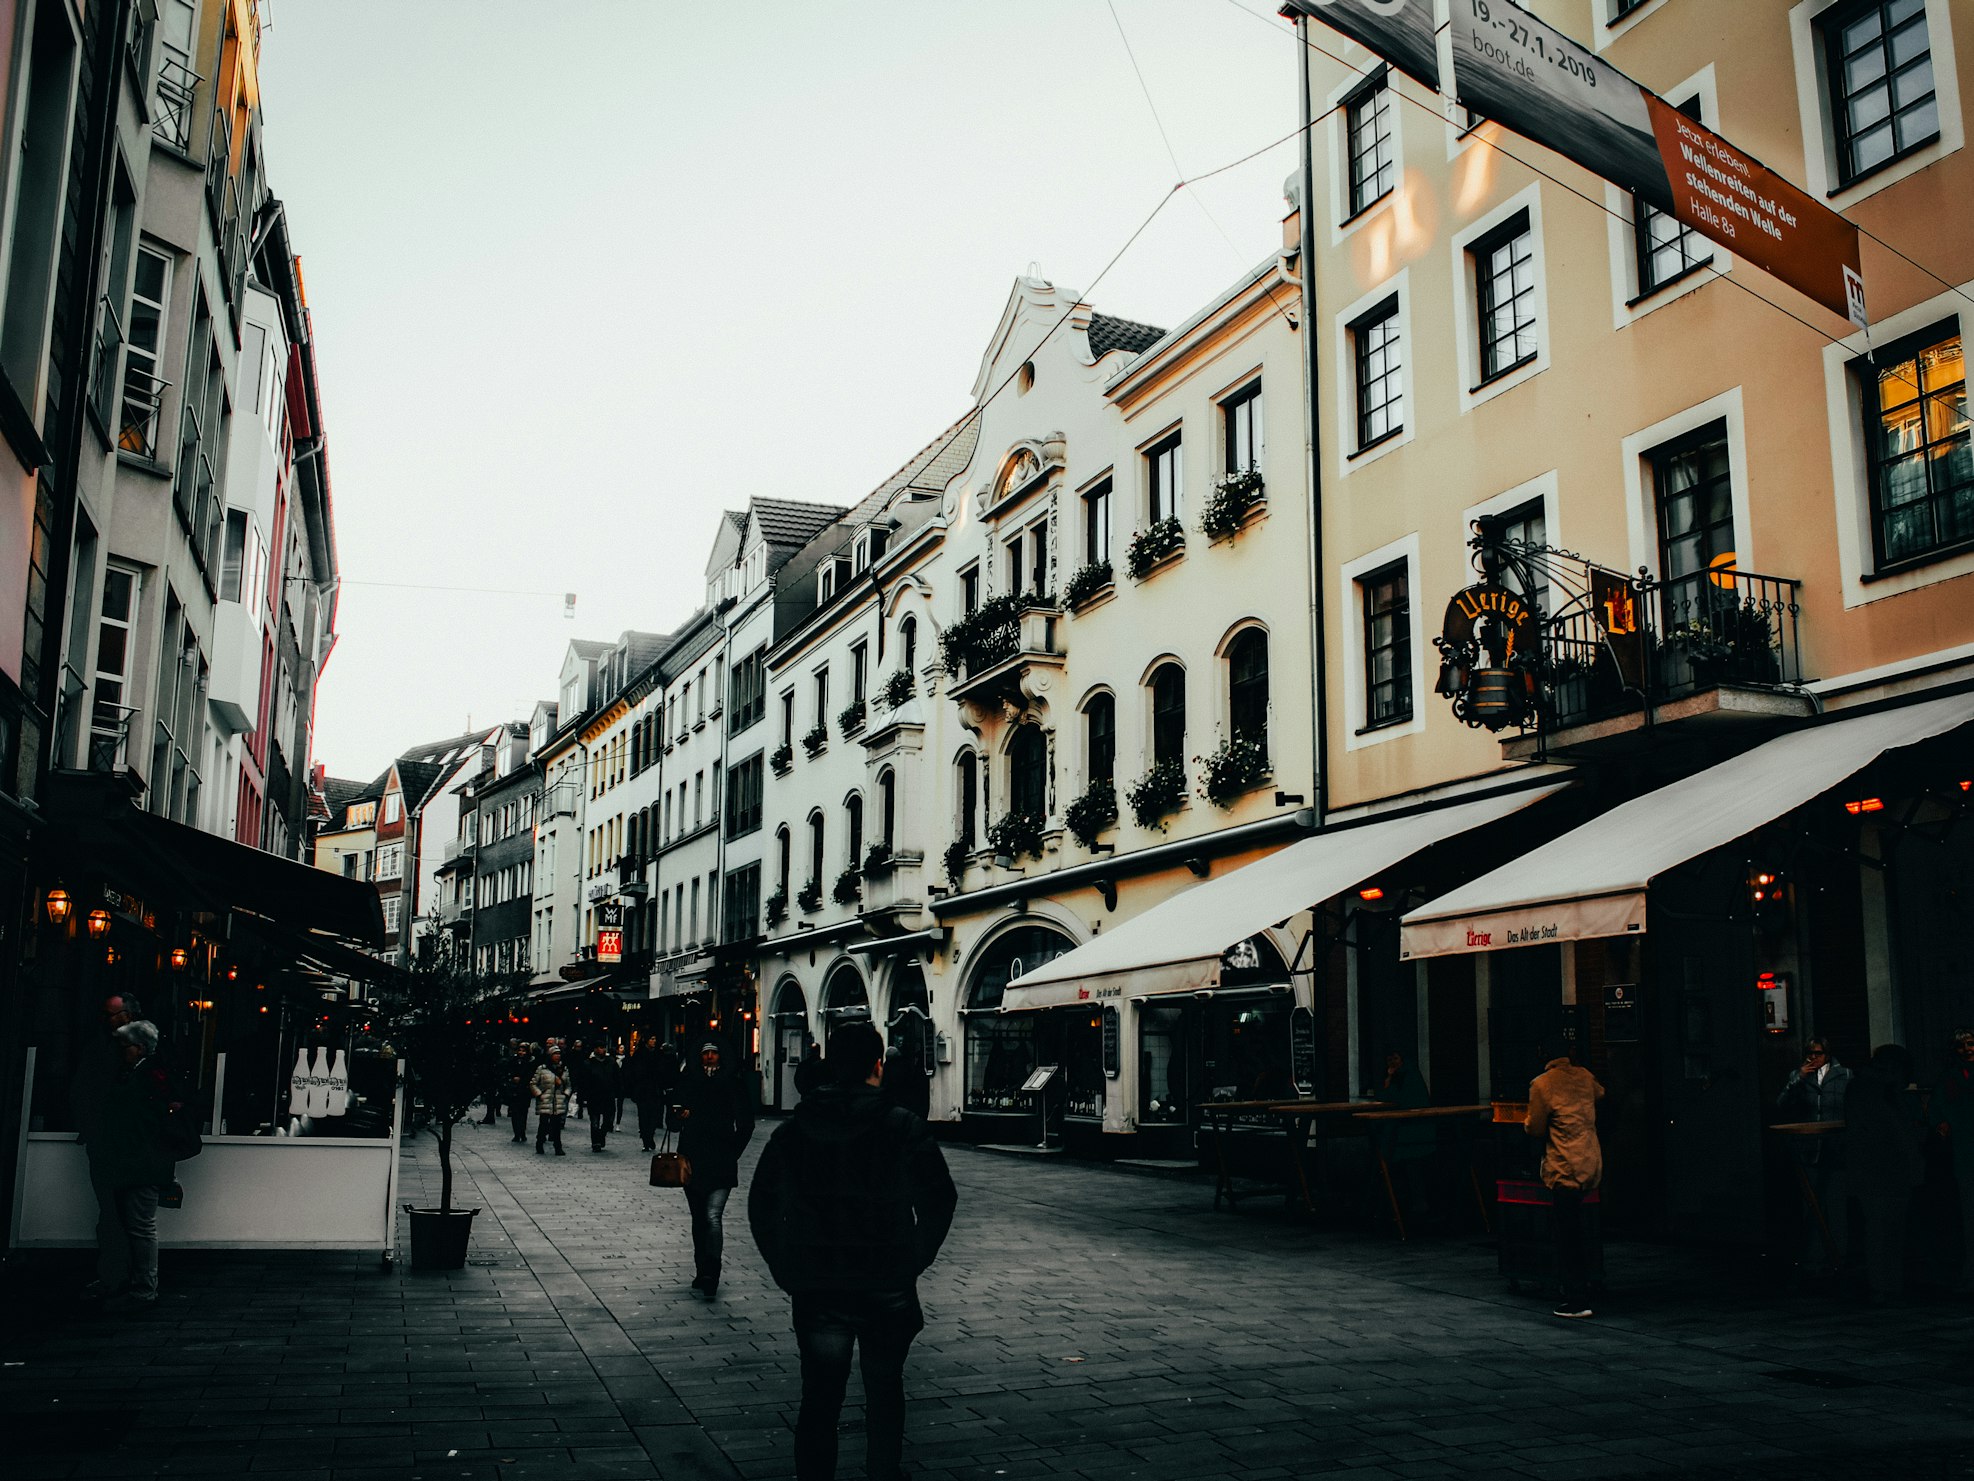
(142, 412)
(996, 654)
(109, 736)
(1710, 648)
(106, 371)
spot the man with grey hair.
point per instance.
(98, 1063)
(128, 1164)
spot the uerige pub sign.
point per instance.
(1488, 650)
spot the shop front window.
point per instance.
(1165, 1097)
(1244, 1043)
(1000, 1050)
(1083, 1063)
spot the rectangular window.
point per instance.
(1373, 162)
(742, 915)
(747, 686)
(1504, 284)
(1163, 480)
(744, 784)
(1667, 249)
(698, 799)
(788, 718)
(692, 936)
(143, 387)
(1922, 470)
(1521, 529)
(822, 696)
(1376, 346)
(1096, 523)
(1695, 487)
(859, 672)
(1387, 646)
(1240, 417)
(1879, 62)
(969, 591)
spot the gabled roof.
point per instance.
(929, 469)
(340, 792)
(589, 647)
(416, 779)
(1107, 333)
(791, 521)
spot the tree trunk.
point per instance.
(445, 1169)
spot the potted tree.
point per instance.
(450, 1062)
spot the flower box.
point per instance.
(1153, 545)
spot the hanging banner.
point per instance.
(1400, 31)
(1530, 77)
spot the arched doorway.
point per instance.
(791, 1041)
(1001, 1048)
(908, 1031)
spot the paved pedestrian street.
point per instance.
(1081, 1322)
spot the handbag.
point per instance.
(669, 1169)
(181, 1134)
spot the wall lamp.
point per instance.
(1200, 867)
(59, 906)
(1283, 799)
(99, 923)
(1103, 848)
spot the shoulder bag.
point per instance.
(669, 1169)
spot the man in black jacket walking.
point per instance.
(850, 1203)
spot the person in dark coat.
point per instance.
(1407, 1146)
(809, 1069)
(1883, 1130)
(596, 1083)
(127, 1157)
(518, 1086)
(716, 1111)
(850, 1205)
(1953, 1113)
(651, 1073)
(1815, 1091)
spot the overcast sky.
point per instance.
(585, 274)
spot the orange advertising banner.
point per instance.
(609, 944)
(1728, 195)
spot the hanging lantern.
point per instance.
(179, 957)
(59, 906)
(99, 923)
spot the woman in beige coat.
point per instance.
(1562, 1106)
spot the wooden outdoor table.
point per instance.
(1303, 1138)
(1813, 1129)
(1427, 1113)
(1220, 1116)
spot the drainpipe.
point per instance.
(1312, 443)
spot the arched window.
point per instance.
(908, 641)
(969, 792)
(1100, 739)
(887, 797)
(1168, 697)
(783, 855)
(816, 849)
(1247, 686)
(1028, 772)
(853, 813)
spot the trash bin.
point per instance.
(1525, 1237)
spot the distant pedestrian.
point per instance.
(1562, 1106)
(99, 1063)
(1815, 1091)
(551, 1094)
(1407, 1146)
(596, 1078)
(905, 1084)
(850, 1205)
(651, 1073)
(128, 1162)
(717, 1111)
(809, 1069)
(1883, 1130)
(519, 1088)
(1953, 1113)
(576, 1056)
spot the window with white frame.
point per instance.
(1368, 137)
(1665, 248)
(1096, 523)
(1164, 480)
(1377, 350)
(1504, 296)
(1240, 425)
(1878, 68)
(1387, 607)
(1917, 446)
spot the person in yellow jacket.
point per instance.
(1562, 1106)
(551, 1091)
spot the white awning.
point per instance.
(1176, 946)
(1592, 881)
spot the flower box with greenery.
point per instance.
(849, 887)
(1158, 792)
(816, 738)
(850, 719)
(449, 1064)
(782, 759)
(1240, 765)
(808, 899)
(1234, 496)
(1015, 834)
(896, 689)
(776, 906)
(878, 858)
(1733, 643)
(1153, 545)
(1087, 582)
(1091, 813)
(954, 860)
(982, 638)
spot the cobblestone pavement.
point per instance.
(1082, 1322)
